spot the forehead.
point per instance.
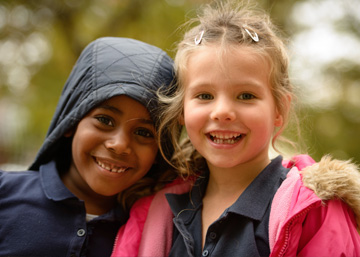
(211, 62)
(222, 52)
(125, 105)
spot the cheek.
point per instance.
(194, 114)
(193, 124)
(84, 143)
(262, 121)
(148, 157)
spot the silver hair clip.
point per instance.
(254, 37)
(198, 40)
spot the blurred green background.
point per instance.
(40, 41)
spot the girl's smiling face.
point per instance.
(229, 110)
(113, 146)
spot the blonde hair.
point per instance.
(226, 23)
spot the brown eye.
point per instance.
(105, 120)
(144, 133)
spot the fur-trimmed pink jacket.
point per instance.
(315, 212)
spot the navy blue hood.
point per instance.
(107, 67)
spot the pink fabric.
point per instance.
(302, 200)
(150, 216)
(334, 225)
(301, 225)
(297, 225)
(316, 229)
(300, 161)
(129, 245)
(284, 196)
(281, 204)
(159, 223)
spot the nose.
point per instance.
(223, 110)
(119, 142)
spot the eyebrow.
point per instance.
(116, 110)
(206, 84)
(110, 108)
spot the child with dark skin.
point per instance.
(102, 141)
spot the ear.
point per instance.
(69, 133)
(279, 118)
(181, 119)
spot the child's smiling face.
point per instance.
(229, 110)
(113, 146)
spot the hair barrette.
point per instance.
(254, 37)
(198, 40)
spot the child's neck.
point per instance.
(223, 189)
(226, 182)
(94, 203)
(98, 206)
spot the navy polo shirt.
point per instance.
(242, 230)
(39, 216)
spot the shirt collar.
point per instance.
(185, 208)
(257, 197)
(252, 203)
(54, 188)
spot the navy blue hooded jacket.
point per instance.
(39, 216)
(107, 67)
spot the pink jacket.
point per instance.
(303, 219)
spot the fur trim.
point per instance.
(332, 178)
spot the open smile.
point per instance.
(111, 167)
(225, 138)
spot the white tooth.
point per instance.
(119, 170)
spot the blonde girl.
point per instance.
(234, 99)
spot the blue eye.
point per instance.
(246, 96)
(205, 97)
(105, 120)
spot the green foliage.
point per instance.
(40, 41)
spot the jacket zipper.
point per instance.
(115, 243)
(290, 223)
